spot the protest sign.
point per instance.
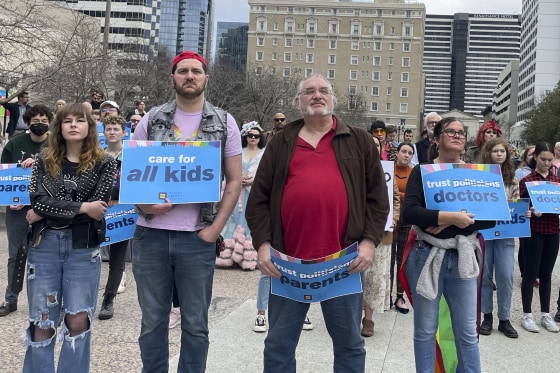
(545, 196)
(471, 188)
(518, 226)
(121, 223)
(14, 184)
(315, 280)
(389, 171)
(182, 171)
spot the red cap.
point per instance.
(188, 55)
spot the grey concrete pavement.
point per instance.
(236, 348)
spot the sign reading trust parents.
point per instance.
(545, 196)
(472, 188)
(183, 172)
(120, 223)
(14, 184)
(310, 281)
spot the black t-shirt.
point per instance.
(70, 179)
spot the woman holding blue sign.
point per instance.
(441, 260)
(69, 190)
(499, 254)
(541, 249)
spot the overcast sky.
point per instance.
(238, 10)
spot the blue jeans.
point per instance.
(16, 229)
(159, 259)
(499, 257)
(461, 297)
(342, 318)
(56, 271)
(263, 292)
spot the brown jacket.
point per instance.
(361, 171)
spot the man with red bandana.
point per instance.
(175, 244)
(319, 187)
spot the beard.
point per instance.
(190, 93)
(310, 111)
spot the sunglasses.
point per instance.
(253, 136)
(134, 121)
(279, 119)
(378, 131)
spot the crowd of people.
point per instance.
(269, 199)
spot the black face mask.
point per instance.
(39, 129)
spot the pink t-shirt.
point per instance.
(185, 217)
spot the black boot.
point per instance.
(486, 326)
(106, 311)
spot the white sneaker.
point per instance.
(122, 285)
(260, 324)
(307, 325)
(528, 323)
(174, 317)
(549, 324)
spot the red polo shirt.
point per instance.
(314, 201)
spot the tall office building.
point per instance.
(539, 67)
(231, 43)
(186, 24)
(463, 56)
(370, 51)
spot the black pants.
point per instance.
(117, 254)
(539, 256)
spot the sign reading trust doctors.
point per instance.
(183, 172)
(545, 196)
(471, 188)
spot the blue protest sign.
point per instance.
(121, 223)
(310, 281)
(545, 196)
(518, 226)
(14, 185)
(472, 188)
(182, 171)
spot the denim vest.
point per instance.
(213, 126)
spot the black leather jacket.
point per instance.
(47, 200)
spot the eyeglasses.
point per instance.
(111, 110)
(488, 132)
(432, 123)
(311, 91)
(253, 136)
(279, 119)
(134, 120)
(453, 133)
(378, 131)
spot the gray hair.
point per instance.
(314, 75)
(430, 114)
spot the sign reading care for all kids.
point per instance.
(518, 226)
(183, 172)
(14, 184)
(315, 280)
(545, 196)
(471, 188)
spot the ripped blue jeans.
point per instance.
(56, 274)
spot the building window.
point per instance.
(258, 70)
(273, 56)
(355, 45)
(355, 29)
(274, 41)
(333, 27)
(273, 70)
(404, 108)
(389, 91)
(309, 57)
(332, 59)
(392, 30)
(388, 107)
(376, 60)
(330, 74)
(404, 92)
(311, 26)
(353, 60)
(377, 46)
(373, 106)
(288, 42)
(375, 76)
(375, 91)
(287, 57)
(276, 26)
(289, 26)
(261, 26)
(352, 90)
(407, 30)
(390, 61)
(404, 77)
(260, 41)
(406, 47)
(408, 13)
(391, 46)
(308, 72)
(380, 12)
(332, 44)
(310, 43)
(390, 75)
(406, 61)
(379, 30)
(353, 75)
(286, 71)
(259, 56)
